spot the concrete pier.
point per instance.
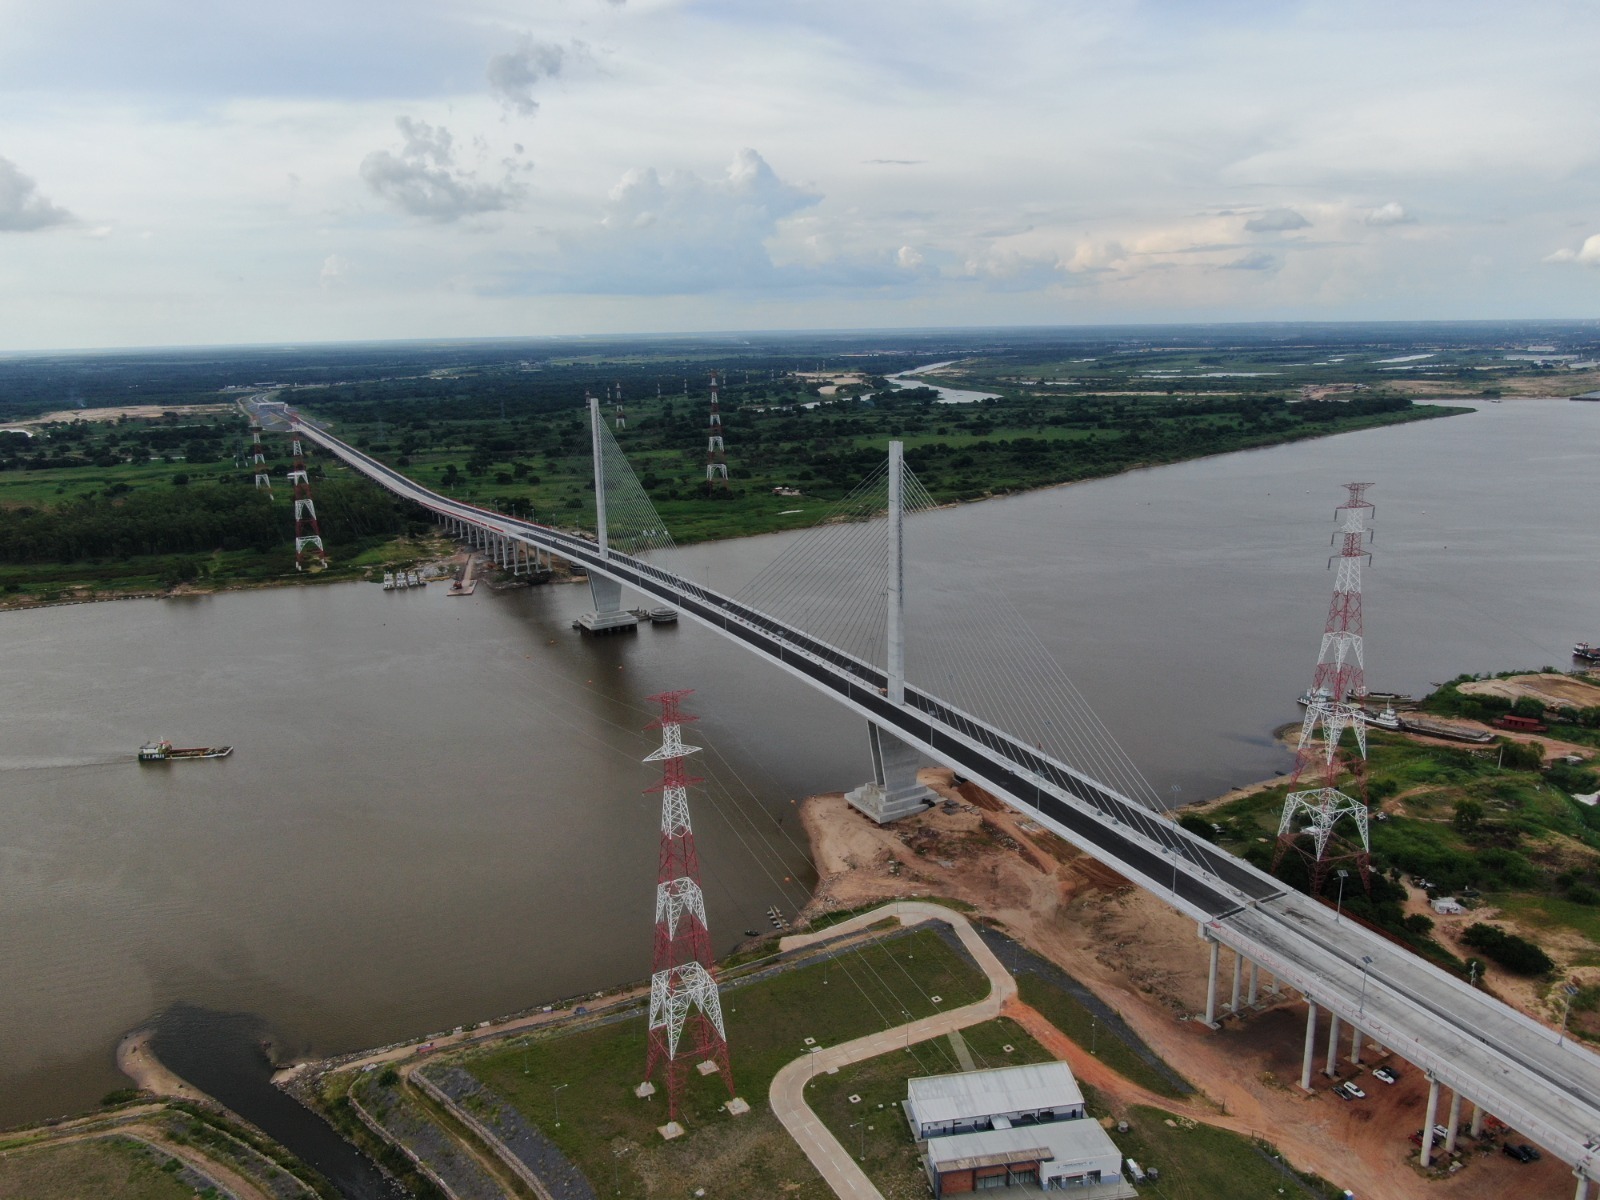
(1311, 1043)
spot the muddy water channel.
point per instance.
(434, 813)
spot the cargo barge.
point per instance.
(165, 751)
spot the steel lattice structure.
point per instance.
(716, 463)
(306, 531)
(1334, 705)
(621, 417)
(259, 457)
(683, 988)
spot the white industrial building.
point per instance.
(1058, 1156)
(977, 1100)
(1013, 1127)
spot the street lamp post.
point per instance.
(1366, 961)
(555, 1095)
(863, 1124)
(1566, 1010)
(1338, 909)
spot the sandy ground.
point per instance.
(1552, 690)
(127, 410)
(1148, 963)
(138, 1063)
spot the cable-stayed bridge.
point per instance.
(1483, 1052)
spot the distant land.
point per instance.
(128, 471)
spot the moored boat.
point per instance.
(1586, 652)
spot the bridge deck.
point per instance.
(1499, 1058)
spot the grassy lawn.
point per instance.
(1199, 1162)
(112, 1168)
(890, 1157)
(605, 1129)
(1068, 1015)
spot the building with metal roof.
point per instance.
(971, 1101)
(1075, 1156)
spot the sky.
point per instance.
(174, 173)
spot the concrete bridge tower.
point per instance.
(893, 790)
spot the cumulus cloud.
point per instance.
(1587, 254)
(908, 257)
(677, 232)
(22, 208)
(334, 270)
(1389, 214)
(423, 180)
(512, 75)
(1276, 220)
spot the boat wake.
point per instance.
(62, 764)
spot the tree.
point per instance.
(1468, 814)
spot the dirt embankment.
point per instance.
(1146, 961)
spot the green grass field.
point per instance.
(1200, 1162)
(880, 985)
(111, 1168)
(873, 1127)
(1068, 1015)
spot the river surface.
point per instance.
(435, 811)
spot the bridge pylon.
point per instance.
(893, 791)
(608, 615)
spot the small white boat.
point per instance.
(388, 581)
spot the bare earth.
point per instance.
(1554, 691)
(1148, 963)
(126, 410)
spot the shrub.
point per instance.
(1198, 826)
(1513, 953)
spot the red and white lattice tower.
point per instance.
(716, 465)
(683, 987)
(306, 532)
(259, 457)
(622, 417)
(1334, 705)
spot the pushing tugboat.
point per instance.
(165, 751)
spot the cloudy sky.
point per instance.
(175, 172)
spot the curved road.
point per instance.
(788, 1091)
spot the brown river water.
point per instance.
(435, 811)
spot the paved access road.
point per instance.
(788, 1091)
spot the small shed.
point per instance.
(1448, 906)
(969, 1101)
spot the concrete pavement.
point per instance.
(787, 1093)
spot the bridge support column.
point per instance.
(1255, 980)
(1211, 983)
(608, 615)
(1429, 1120)
(1333, 1045)
(893, 791)
(1311, 1044)
(1477, 1121)
(1583, 1185)
(1355, 1045)
(1238, 983)
(1454, 1123)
